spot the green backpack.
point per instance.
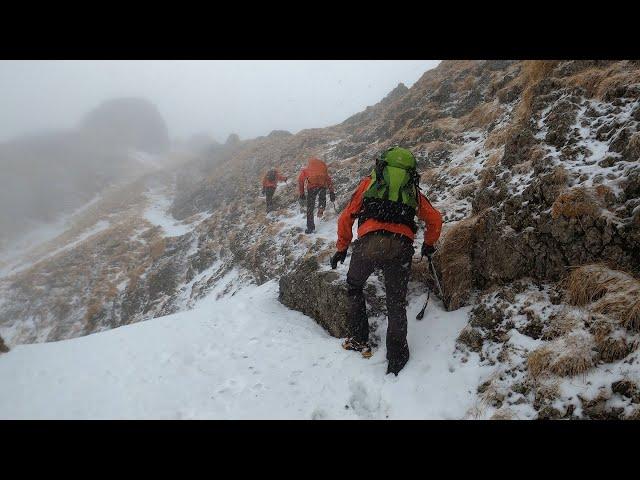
(393, 193)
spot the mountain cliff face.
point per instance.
(534, 165)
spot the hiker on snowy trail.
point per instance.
(269, 184)
(385, 204)
(316, 175)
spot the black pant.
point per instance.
(392, 253)
(321, 193)
(269, 191)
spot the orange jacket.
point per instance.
(425, 212)
(316, 175)
(266, 183)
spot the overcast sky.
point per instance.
(250, 98)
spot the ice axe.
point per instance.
(420, 314)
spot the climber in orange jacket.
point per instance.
(385, 203)
(269, 184)
(316, 176)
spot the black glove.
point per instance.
(332, 196)
(264, 191)
(427, 250)
(338, 257)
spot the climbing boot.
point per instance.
(396, 365)
(363, 347)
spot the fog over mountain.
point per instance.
(249, 98)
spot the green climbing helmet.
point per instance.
(392, 195)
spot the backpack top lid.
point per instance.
(317, 166)
(400, 158)
(394, 177)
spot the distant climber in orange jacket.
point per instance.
(316, 176)
(269, 184)
(385, 204)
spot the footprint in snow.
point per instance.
(365, 404)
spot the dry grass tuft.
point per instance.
(612, 344)
(570, 355)
(454, 260)
(545, 392)
(561, 324)
(575, 202)
(610, 292)
(449, 124)
(93, 308)
(533, 71)
(522, 168)
(587, 284)
(487, 176)
(157, 248)
(631, 318)
(559, 176)
(430, 175)
(605, 194)
(482, 115)
(503, 413)
(598, 81)
(458, 170)
(493, 160)
(466, 83)
(622, 305)
(465, 191)
(491, 392)
(498, 137)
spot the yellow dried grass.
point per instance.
(498, 137)
(598, 81)
(454, 259)
(608, 292)
(569, 355)
(533, 71)
(482, 115)
(575, 202)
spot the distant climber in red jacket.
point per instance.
(316, 175)
(269, 184)
(385, 203)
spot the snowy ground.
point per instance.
(244, 357)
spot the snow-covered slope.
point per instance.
(244, 357)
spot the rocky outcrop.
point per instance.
(232, 140)
(127, 123)
(322, 295)
(3, 346)
(318, 294)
